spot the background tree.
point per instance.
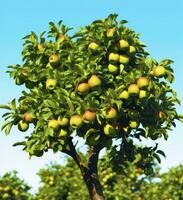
(98, 84)
(13, 188)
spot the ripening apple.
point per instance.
(124, 59)
(53, 123)
(142, 94)
(93, 46)
(76, 121)
(111, 113)
(94, 81)
(113, 68)
(132, 49)
(109, 130)
(133, 124)
(133, 89)
(83, 87)
(23, 126)
(110, 32)
(114, 57)
(61, 38)
(123, 44)
(89, 116)
(159, 71)
(124, 95)
(40, 47)
(50, 84)
(143, 82)
(63, 133)
(161, 114)
(63, 121)
(28, 117)
(53, 59)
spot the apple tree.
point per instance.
(98, 85)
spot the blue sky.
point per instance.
(159, 22)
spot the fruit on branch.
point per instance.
(112, 68)
(109, 130)
(114, 57)
(19, 81)
(60, 38)
(111, 113)
(93, 46)
(133, 124)
(110, 32)
(159, 71)
(142, 94)
(124, 95)
(53, 59)
(94, 81)
(124, 59)
(123, 44)
(83, 87)
(53, 123)
(76, 121)
(63, 121)
(161, 114)
(50, 84)
(63, 133)
(133, 89)
(28, 117)
(40, 47)
(89, 116)
(143, 82)
(132, 50)
(23, 126)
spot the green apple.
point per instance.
(76, 121)
(109, 130)
(123, 44)
(124, 95)
(159, 71)
(114, 57)
(63, 133)
(124, 59)
(23, 126)
(19, 81)
(50, 84)
(93, 46)
(53, 123)
(53, 59)
(142, 94)
(94, 81)
(133, 124)
(89, 116)
(5, 196)
(132, 49)
(61, 38)
(133, 89)
(28, 117)
(63, 121)
(143, 82)
(83, 87)
(110, 32)
(111, 113)
(113, 68)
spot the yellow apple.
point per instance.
(61, 38)
(53, 59)
(93, 46)
(94, 81)
(40, 47)
(76, 121)
(28, 117)
(63, 121)
(159, 71)
(83, 87)
(109, 130)
(123, 44)
(50, 84)
(143, 82)
(133, 89)
(124, 59)
(111, 113)
(133, 124)
(89, 116)
(124, 95)
(113, 68)
(132, 49)
(110, 32)
(114, 57)
(142, 94)
(53, 123)
(23, 126)
(63, 133)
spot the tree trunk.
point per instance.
(94, 186)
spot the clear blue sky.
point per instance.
(159, 22)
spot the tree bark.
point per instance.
(89, 171)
